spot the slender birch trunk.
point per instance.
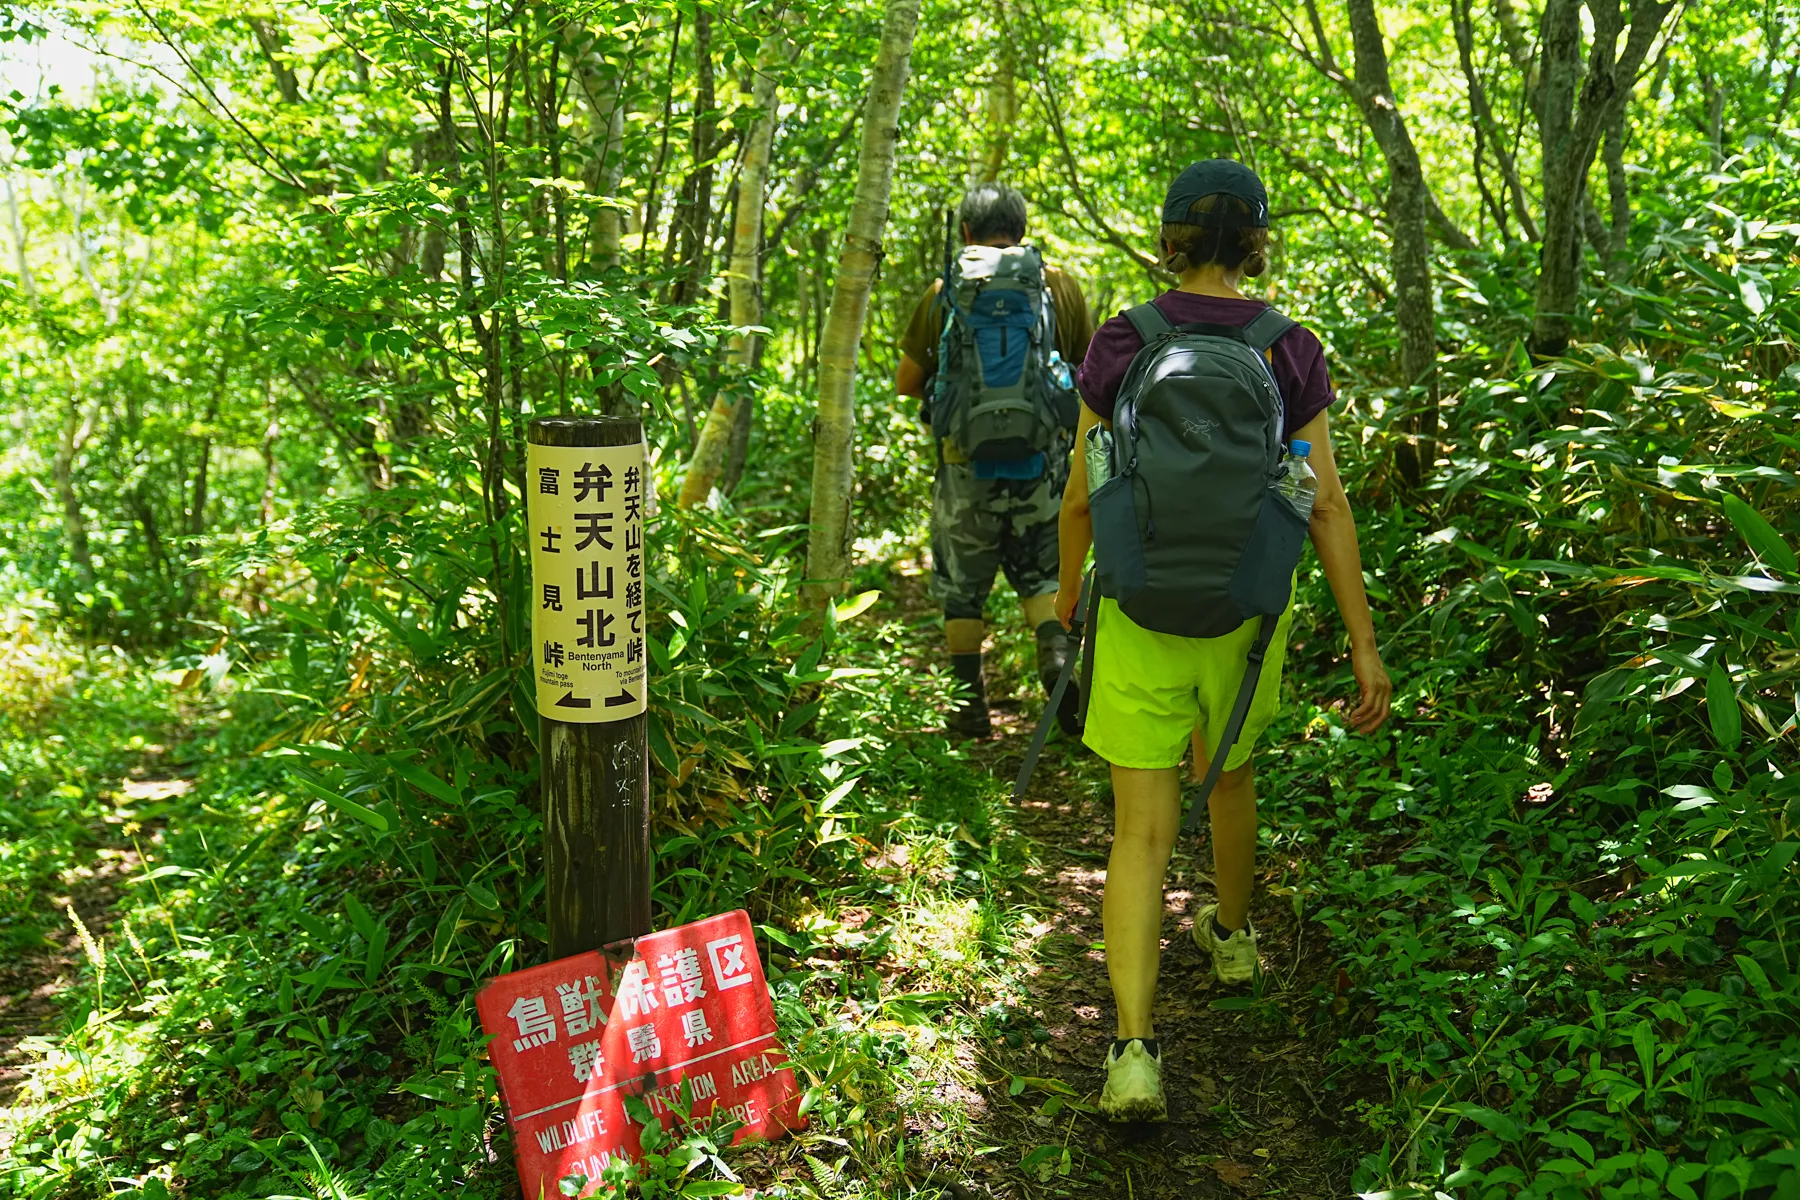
(834, 429)
(744, 282)
(606, 97)
(27, 283)
(77, 427)
(1002, 107)
(606, 125)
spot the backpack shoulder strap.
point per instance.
(1149, 322)
(1266, 328)
(1234, 725)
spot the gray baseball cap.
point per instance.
(1215, 177)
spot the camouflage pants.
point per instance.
(980, 525)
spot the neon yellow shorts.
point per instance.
(1151, 690)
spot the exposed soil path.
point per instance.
(1252, 1104)
(33, 983)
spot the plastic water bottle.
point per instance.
(1060, 373)
(1099, 456)
(1298, 484)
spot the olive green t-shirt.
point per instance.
(1074, 327)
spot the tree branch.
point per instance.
(282, 172)
(1485, 122)
(1046, 96)
(272, 42)
(26, 282)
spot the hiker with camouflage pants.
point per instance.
(991, 356)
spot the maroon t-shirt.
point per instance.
(1297, 359)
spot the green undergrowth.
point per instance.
(1563, 888)
(73, 719)
(286, 1008)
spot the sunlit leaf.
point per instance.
(1751, 289)
(346, 805)
(1722, 707)
(857, 605)
(1767, 544)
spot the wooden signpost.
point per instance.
(587, 486)
(623, 1026)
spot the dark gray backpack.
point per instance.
(1191, 534)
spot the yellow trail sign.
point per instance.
(586, 506)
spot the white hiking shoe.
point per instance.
(1134, 1090)
(1234, 958)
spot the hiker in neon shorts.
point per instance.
(1193, 466)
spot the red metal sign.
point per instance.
(573, 1038)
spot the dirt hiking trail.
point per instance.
(1254, 1108)
(34, 981)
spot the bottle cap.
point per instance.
(1300, 449)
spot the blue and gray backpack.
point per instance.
(1003, 396)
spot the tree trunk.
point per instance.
(153, 543)
(1574, 111)
(1593, 225)
(1558, 270)
(744, 280)
(271, 435)
(1787, 94)
(1408, 209)
(834, 429)
(606, 104)
(693, 212)
(1618, 194)
(1485, 123)
(196, 521)
(77, 426)
(265, 511)
(1514, 38)
(654, 190)
(27, 283)
(1001, 105)
(273, 43)
(738, 456)
(1714, 95)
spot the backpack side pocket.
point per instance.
(1118, 546)
(1064, 402)
(1264, 576)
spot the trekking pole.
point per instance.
(1077, 627)
(949, 248)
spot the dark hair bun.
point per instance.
(1256, 258)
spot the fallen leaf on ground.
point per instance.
(1237, 1175)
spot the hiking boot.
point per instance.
(970, 720)
(1055, 647)
(1134, 1090)
(1233, 958)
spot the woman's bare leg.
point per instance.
(1232, 807)
(1146, 817)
